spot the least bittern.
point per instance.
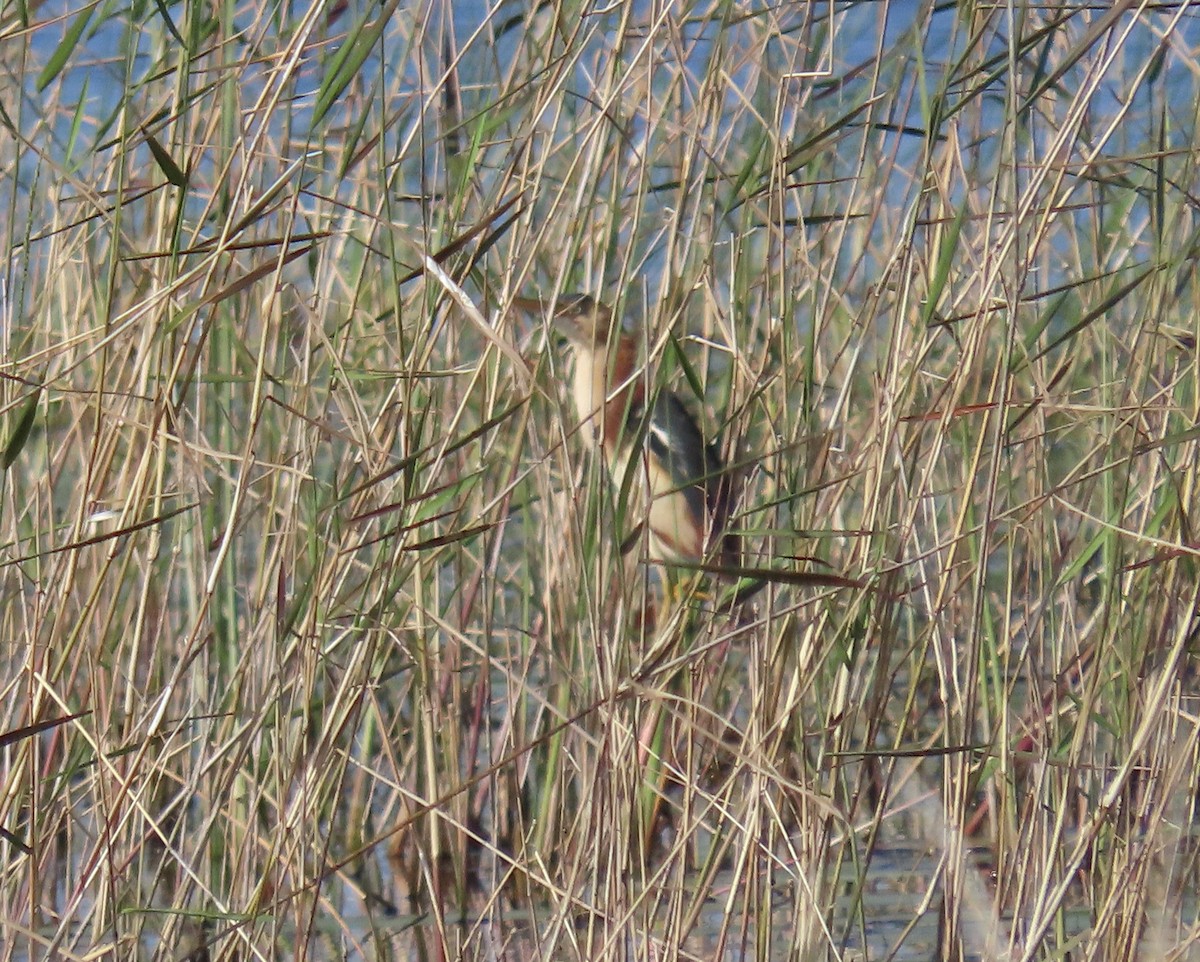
(680, 475)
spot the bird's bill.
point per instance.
(531, 305)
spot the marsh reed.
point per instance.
(315, 636)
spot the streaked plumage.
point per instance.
(688, 503)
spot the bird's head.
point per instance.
(585, 322)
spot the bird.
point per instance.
(680, 475)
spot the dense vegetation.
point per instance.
(316, 637)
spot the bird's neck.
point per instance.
(605, 394)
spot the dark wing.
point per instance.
(676, 442)
(674, 439)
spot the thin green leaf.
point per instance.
(1099, 311)
(946, 251)
(76, 124)
(1095, 31)
(350, 57)
(171, 28)
(20, 432)
(63, 51)
(164, 160)
(28, 731)
(100, 538)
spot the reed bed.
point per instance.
(316, 636)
